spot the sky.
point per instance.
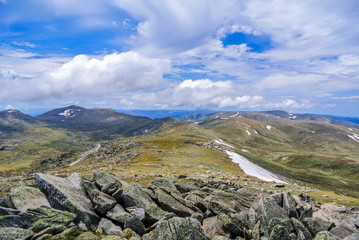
(299, 56)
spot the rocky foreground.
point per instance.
(109, 208)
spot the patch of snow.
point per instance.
(350, 129)
(292, 117)
(198, 122)
(224, 118)
(216, 117)
(255, 131)
(313, 131)
(146, 130)
(355, 137)
(235, 115)
(278, 117)
(68, 113)
(222, 143)
(290, 114)
(251, 169)
(269, 127)
(245, 150)
(248, 132)
(11, 111)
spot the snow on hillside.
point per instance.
(69, 113)
(251, 169)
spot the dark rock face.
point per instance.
(107, 208)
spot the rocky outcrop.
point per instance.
(104, 207)
(67, 194)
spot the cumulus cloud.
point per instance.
(85, 75)
(206, 93)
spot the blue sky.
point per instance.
(299, 56)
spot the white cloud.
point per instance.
(346, 98)
(84, 75)
(26, 44)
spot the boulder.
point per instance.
(102, 201)
(169, 203)
(53, 230)
(134, 196)
(289, 205)
(179, 229)
(87, 236)
(136, 225)
(230, 224)
(268, 209)
(197, 201)
(183, 187)
(49, 217)
(118, 214)
(67, 194)
(313, 226)
(70, 233)
(22, 220)
(354, 236)
(279, 232)
(12, 233)
(109, 228)
(106, 182)
(299, 227)
(137, 212)
(213, 227)
(24, 198)
(284, 222)
(341, 231)
(5, 201)
(325, 235)
(163, 183)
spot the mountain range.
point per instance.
(308, 149)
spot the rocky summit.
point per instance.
(102, 206)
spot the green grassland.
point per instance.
(314, 157)
(316, 153)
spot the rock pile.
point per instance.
(109, 208)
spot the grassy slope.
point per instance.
(24, 150)
(320, 154)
